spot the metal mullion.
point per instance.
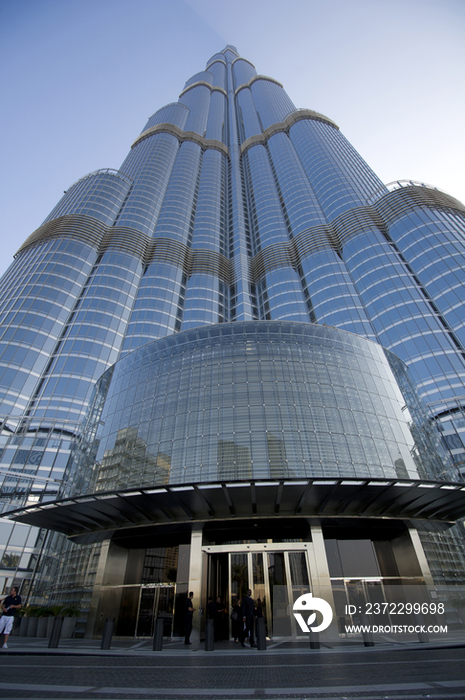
(138, 611)
(287, 568)
(230, 601)
(269, 617)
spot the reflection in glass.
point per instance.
(375, 595)
(239, 576)
(298, 568)
(356, 596)
(10, 560)
(155, 602)
(259, 587)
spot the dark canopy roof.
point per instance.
(92, 518)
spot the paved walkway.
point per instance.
(130, 669)
(142, 647)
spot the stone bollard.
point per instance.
(56, 632)
(32, 627)
(209, 635)
(42, 627)
(261, 633)
(367, 636)
(158, 634)
(107, 633)
(314, 640)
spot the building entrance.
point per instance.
(233, 569)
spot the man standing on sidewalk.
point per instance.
(10, 606)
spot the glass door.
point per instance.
(155, 601)
(361, 594)
(266, 573)
(239, 576)
(278, 583)
(260, 588)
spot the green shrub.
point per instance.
(70, 611)
(458, 601)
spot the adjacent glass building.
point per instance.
(238, 360)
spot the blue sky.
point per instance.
(80, 77)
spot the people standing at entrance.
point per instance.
(189, 613)
(212, 612)
(236, 620)
(211, 608)
(219, 620)
(10, 607)
(248, 614)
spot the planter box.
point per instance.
(23, 626)
(32, 627)
(49, 626)
(16, 626)
(69, 625)
(42, 627)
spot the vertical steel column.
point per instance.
(96, 590)
(422, 561)
(320, 578)
(195, 580)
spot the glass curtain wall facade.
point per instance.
(232, 206)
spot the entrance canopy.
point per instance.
(93, 518)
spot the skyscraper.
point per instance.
(243, 355)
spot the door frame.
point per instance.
(156, 600)
(265, 548)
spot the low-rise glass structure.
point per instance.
(248, 400)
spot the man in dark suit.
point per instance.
(189, 612)
(248, 614)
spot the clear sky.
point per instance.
(80, 77)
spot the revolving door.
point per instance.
(262, 568)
